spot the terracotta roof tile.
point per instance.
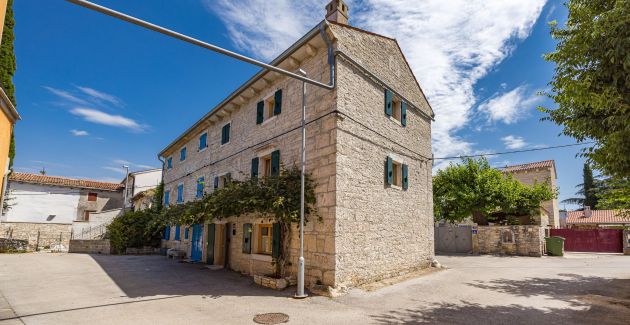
(63, 181)
(533, 165)
(597, 216)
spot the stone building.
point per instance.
(539, 172)
(368, 143)
(56, 206)
(140, 186)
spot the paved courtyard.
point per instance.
(84, 289)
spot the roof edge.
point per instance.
(7, 107)
(284, 55)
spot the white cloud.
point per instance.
(66, 95)
(100, 96)
(115, 169)
(514, 142)
(509, 107)
(266, 28)
(99, 117)
(450, 45)
(132, 164)
(79, 133)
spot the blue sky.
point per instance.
(95, 93)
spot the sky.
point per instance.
(95, 93)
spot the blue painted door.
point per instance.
(197, 243)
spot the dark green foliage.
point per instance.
(7, 67)
(588, 190)
(473, 188)
(591, 84)
(7, 54)
(158, 195)
(615, 195)
(275, 197)
(134, 230)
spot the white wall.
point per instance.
(147, 181)
(35, 203)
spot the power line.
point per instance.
(515, 151)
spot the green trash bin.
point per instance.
(555, 245)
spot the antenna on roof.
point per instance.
(43, 171)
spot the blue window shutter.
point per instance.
(255, 167)
(405, 176)
(216, 182)
(182, 154)
(403, 114)
(247, 238)
(275, 163)
(180, 193)
(167, 233)
(186, 230)
(169, 162)
(388, 102)
(177, 231)
(200, 185)
(260, 112)
(228, 178)
(389, 171)
(167, 197)
(203, 141)
(275, 240)
(277, 108)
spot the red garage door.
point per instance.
(591, 240)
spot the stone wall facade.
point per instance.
(50, 235)
(509, 240)
(367, 229)
(95, 246)
(540, 175)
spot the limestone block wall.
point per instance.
(55, 236)
(284, 134)
(101, 246)
(531, 176)
(382, 230)
(527, 240)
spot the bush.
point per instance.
(134, 229)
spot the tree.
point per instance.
(473, 188)
(7, 66)
(588, 190)
(615, 195)
(591, 84)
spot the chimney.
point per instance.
(587, 211)
(337, 11)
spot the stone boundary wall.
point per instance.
(100, 246)
(526, 240)
(52, 236)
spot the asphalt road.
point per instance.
(84, 289)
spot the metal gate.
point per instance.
(591, 240)
(453, 239)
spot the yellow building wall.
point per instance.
(5, 139)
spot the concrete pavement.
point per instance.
(82, 289)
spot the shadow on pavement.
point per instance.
(144, 276)
(592, 300)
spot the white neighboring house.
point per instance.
(139, 182)
(40, 203)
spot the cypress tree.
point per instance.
(590, 188)
(7, 65)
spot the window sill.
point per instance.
(81, 221)
(224, 144)
(395, 120)
(202, 150)
(396, 187)
(269, 119)
(261, 257)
